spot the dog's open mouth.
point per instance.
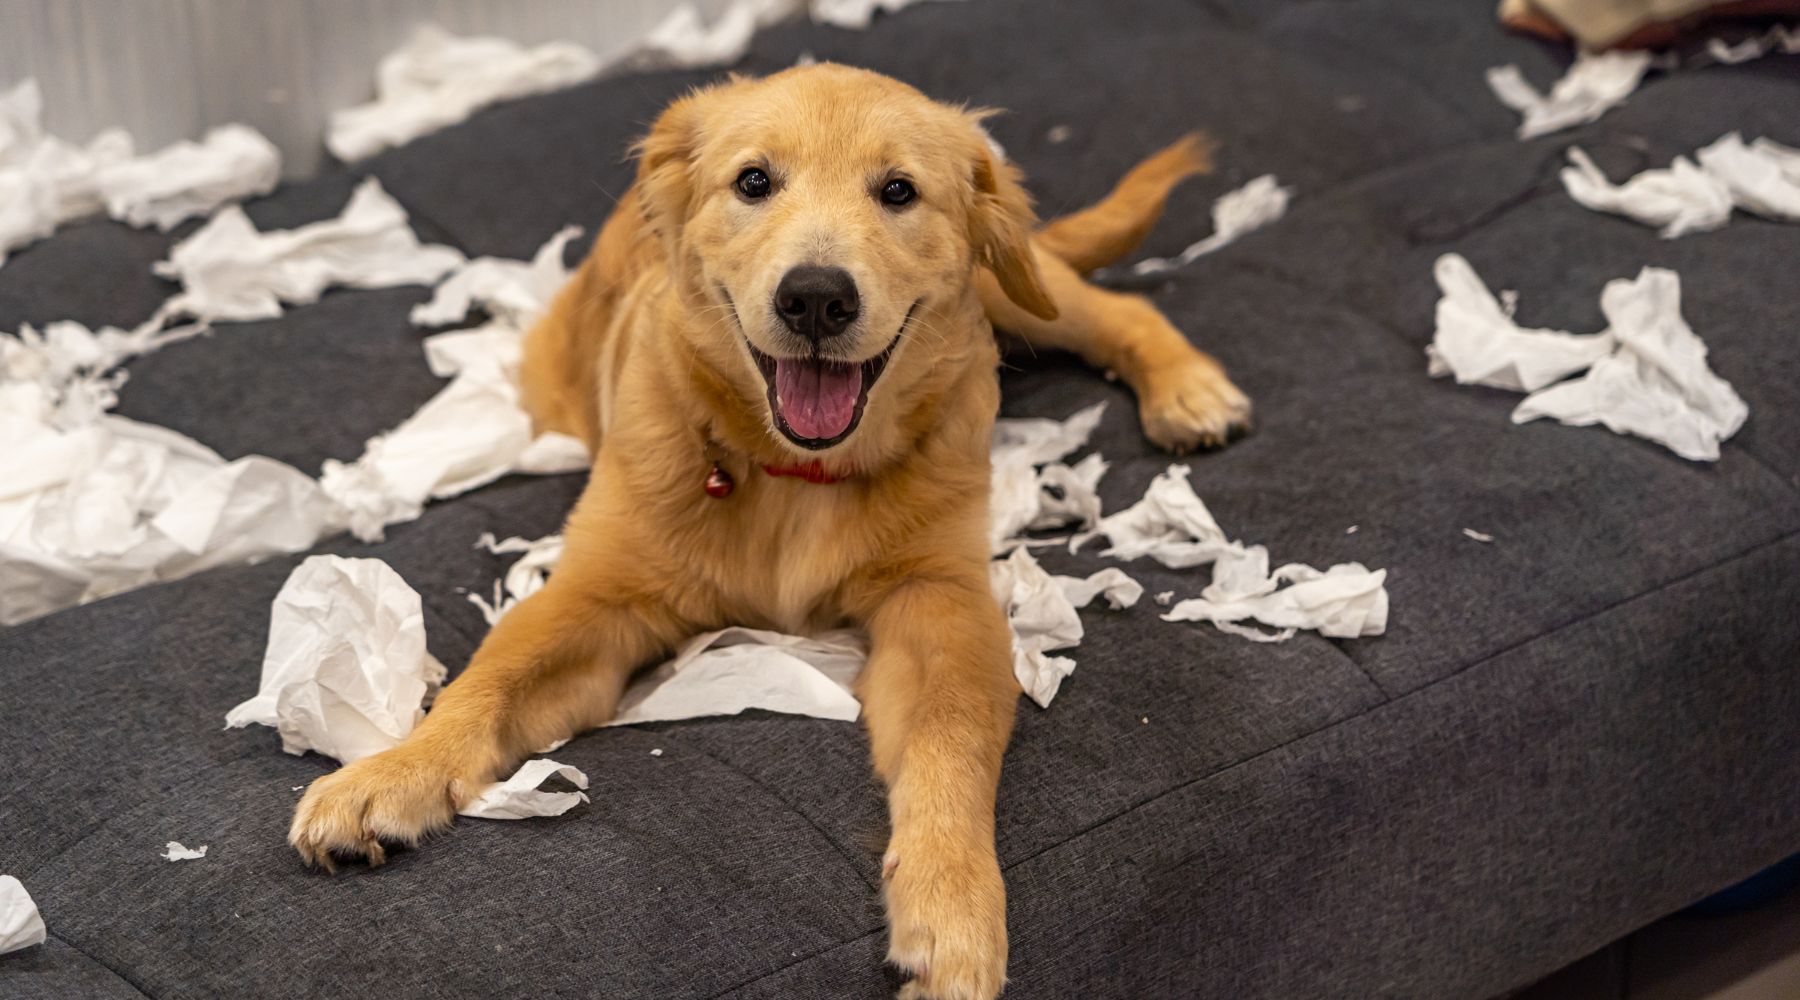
(818, 402)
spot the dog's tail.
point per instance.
(1112, 227)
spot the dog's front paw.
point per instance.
(393, 797)
(946, 922)
(1193, 406)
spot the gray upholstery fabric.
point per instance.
(1563, 736)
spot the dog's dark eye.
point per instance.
(754, 184)
(897, 193)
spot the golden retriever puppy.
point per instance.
(780, 352)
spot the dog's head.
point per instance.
(822, 226)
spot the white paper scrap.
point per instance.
(346, 672)
(1480, 536)
(438, 79)
(1763, 177)
(1345, 601)
(524, 577)
(736, 669)
(1593, 85)
(854, 15)
(229, 271)
(45, 181)
(1170, 524)
(518, 797)
(1681, 199)
(1043, 620)
(20, 924)
(1120, 590)
(176, 852)
(516, 291)
(1477, 341)
(1259, 203)
(1779, 38)
(1021, 497)
(190, 179)
(1657, 384)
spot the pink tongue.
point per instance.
(816, 398)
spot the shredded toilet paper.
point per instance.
(854, 15)
(1593, 85)
(1171, 525)
(1646, 373)
(1042, 612)
(230, 271)
(1779, 38)
(438, 79)
(524, 577)
(176, 852)
(346, 674)
(1762, 178)
(20, 924)
(1030, 488)
(93, 504)
(1477, 341)
(190, 179)
(736, 669)
(518, 797)
(475, 430)
(1259, 203)
(45, 181)
(1656, 384)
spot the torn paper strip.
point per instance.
(1043, 620)
(524, 577)
(229, 271)
(1477, 341)
(476, 429)
(438, 79)
(20, 924)
(1592, 86)
(736, 669)
(519, 797)
(1020, 496)
(1679, 200)
(1345, 601)
(1120, 590)
(190, 179)
(684, 40)
(1169, 524)
(1763, 177)
(1234, 215)
(1479, 536)
(346, 672)
(1779, 38)
(1657, 384)
(176, 852)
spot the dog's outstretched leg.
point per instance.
(938, 698)
(554, 666)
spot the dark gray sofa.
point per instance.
(1564, 735)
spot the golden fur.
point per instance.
(643, 356)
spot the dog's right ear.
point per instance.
(665, 177)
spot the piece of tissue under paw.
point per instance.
(346, 672)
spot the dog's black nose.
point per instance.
(816, 302)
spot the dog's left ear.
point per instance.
(1000, 225)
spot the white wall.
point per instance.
(170, 69)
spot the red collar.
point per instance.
(813, 472)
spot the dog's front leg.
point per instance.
(939, 696)
(554, 666)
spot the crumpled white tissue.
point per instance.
(45, 181)
(1593, 85)
(1681, 199)
(190, 179)
(1346, 601)
(20, 924)
(524, 577)
(438, 79)
(1477, 341)
(93, 504)
(854, 15)
(1041, 609)
(1236, 213)
(1764, 177)
(475, 430)
(518, 797)
(346, 672)
(1172, 525)
(735, 669)
(1657, 384)
(176, 852)
(1646, 373)
(229, 271)
(1021, 496)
